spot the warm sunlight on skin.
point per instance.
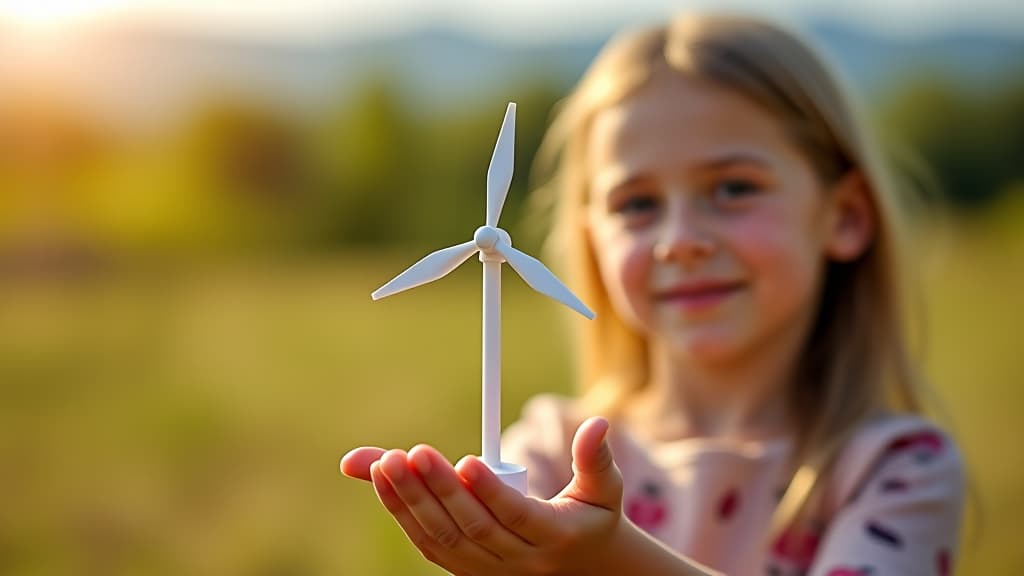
(705, 220)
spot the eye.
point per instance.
(735, 189)
(636, 205)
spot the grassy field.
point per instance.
(191, 423)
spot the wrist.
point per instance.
(630, 550)
(616, 555)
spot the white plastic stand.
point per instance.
(512, 475)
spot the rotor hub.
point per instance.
(486, 237)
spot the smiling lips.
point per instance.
(698, 295)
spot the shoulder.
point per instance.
(894, 501)
(895, 452)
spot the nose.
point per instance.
(685, 236)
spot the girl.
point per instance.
(723, 214)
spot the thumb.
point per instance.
(596, 478)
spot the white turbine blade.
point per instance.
(537, 275)
(433, 266)
(499, 173)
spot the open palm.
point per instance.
(466, 520)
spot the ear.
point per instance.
(853, 219)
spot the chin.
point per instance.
(714, 347)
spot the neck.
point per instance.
(742, 398)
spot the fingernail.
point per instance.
(607, 427)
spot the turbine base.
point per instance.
(512, 475)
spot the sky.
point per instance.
(513, 21)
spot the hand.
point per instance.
(467, 521)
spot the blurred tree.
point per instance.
(364, 162)
(1007, 109)
(251, 159)
(47, 149)
(970, 138)
(390, 174)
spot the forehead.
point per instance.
(674, 122)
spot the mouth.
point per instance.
(698, 295)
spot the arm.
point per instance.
(633, 551)
(465, 520)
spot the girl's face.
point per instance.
(709, 227)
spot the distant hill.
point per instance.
(445, 64)
(872, 61)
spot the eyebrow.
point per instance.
(711, 163)
(618, 182)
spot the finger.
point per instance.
(472, 517)
(356, 464)
(596, 478)
(589, 451)
(389, 498)
(428, 512)
(427, 546)
(531, 519)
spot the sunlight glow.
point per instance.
(51, 15)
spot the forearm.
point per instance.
(632, 551)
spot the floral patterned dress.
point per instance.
(892, 505)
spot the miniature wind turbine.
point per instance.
(495, 247)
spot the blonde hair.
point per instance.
(855, 363)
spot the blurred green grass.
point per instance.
(191, 422)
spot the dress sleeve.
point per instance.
(901, 491)
(541, 440)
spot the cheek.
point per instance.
(784, 257)
(625, 265)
